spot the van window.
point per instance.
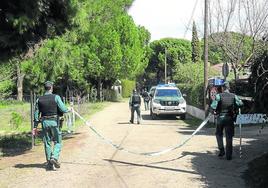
(168, 93)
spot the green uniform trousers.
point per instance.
(51, 133)
(137, 109)
(225, 122)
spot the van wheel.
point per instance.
(183, 116)
(153, 116)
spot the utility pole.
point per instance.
(205, 54)
(165, 65)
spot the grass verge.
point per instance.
(17, 140)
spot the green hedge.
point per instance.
(127, 87)
(112, 95)
(194, 94)
(4, 103)
(190, 77)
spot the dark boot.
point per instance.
(221, 153)
(55, 162)
(49, 166)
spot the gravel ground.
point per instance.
(89, 162)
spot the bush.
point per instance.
(111, 95)
(190, 77)
(16, 120)
(6, 88)
(10, 102)
(127, 87)
(194, 94)
(7, 84)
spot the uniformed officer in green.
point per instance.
(47, 110)
(224, 106)
(134, 104)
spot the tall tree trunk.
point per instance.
(99, 89)
(20, 78)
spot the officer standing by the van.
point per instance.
(134, 104)
(146, 99)
(225, 105)
(47, 110)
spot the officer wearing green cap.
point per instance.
(225, 105)
(47, 110)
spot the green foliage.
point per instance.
(6, 83)
(22, 110)
(24, 21)
(178, 51)
(16, 120)
(217, 54)
(127, 87)
(195, 45)
(60, 61)
(6, 103)
(103, 44)
(112, 95)
(6, 88)
(190, 79)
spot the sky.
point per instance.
(168, 18)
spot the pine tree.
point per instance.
(195, 45)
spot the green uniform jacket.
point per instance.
(46, 123)
(215, 102)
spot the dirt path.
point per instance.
(89, 162)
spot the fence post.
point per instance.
(73, 114)
(32, 117)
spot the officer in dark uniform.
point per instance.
(225, 105)
(134, 104)
(146, 99)
(48, 109)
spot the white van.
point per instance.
(167, 99)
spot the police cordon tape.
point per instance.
(154, 153)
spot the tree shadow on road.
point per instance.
(35, 165)
(124, 123)
(18, 144)
(149, 166)
(162, 117)
(169, 160)
(219, 172)
(15, 145)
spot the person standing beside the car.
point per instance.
(134, 104)
(146, 99)
(224, 106)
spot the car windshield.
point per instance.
(168, 93)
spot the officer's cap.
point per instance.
(48, 84)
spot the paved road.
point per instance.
(89, 162)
